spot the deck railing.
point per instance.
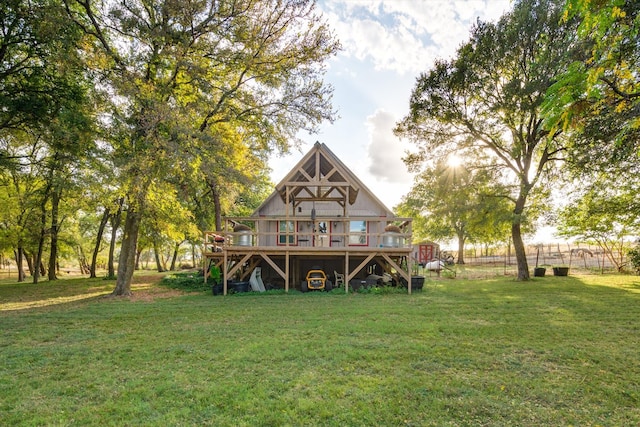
(307, 234)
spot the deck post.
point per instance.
(286, 272)
(409, 271)
(224, 273)
(346, 272)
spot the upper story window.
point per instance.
(358, 233)
(286, 228)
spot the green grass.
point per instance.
(554, 351)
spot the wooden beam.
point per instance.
(319, 183)
(286, 271)
(409, 269)
(330, 173)
(274, 265)
(359, 267)
(286, 224)
(224, 274)
(238, 265)
(318, 199)
(346, 272)
(248, 271)
(399, 269)
(305, 174)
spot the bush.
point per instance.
(191, 282)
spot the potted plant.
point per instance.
(539, 271)
(561, 270)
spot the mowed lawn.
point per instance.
(554, 351)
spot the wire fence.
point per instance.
(483, 262)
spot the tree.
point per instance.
(488, 98)
(598, 96)
(21, 214)
(45, 119)
(168, 223)
(455, 201)
(606, 215)
(33, 79)
(597, 99)
(178, 70)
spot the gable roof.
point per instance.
(321, 175)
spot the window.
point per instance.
(358, 233)
(283, 228)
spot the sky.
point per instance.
(386, 44)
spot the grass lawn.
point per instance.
(554, 351)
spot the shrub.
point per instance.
(634, 258)
(191, 282)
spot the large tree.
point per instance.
(598, 96)
(604, 214)
(45, 111)
(177, 69)
(489, 97)
(597, 99)
(453, 200)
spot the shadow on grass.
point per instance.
(66, 291)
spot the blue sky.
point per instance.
(386, 45)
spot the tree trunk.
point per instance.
(174, 258)
(518, 244)
(115, 224)
(193, 255)
(53, 254)
(43, 232)
(82, 260)
(29, 259)
(156, 251)
(217, 204)
(127, 259)
(461, 240)
(38, 256)
(96, 249)
(19, 253)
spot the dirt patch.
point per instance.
(147, 279)
(146, 288)
(153, 293)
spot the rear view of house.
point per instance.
(320, 217)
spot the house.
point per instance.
(320, 216)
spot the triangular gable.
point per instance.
(321, 175)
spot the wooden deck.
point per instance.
(237, 255)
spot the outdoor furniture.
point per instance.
(339, 278)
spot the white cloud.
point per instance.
(406, 36)
(385, 150)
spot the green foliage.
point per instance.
(457, 201)
(605, 215)
(201, 93)
(38, 73)
(634, 258)
(187, 281)
(598, 96)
